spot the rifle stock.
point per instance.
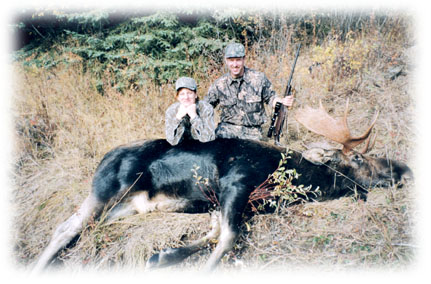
(282, 114)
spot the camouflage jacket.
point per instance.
(241, 103)
(201, 128)
(241, 100)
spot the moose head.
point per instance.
(365, 170)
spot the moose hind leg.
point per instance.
(172, 256)
(67, 230)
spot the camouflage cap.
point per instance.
(186, 82)
(234, 50)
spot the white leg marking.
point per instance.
(213, 234)
(170, 256)
(67, 230)
(160, 202)
(121, 210)
(225, 244)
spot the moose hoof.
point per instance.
(153, 262)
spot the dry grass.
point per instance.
(63, 128)
(342, 233)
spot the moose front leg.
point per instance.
(231, 217)
(226, 241)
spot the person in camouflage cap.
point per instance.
(189, 118)
(241, 94)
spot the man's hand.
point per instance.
(286, 101)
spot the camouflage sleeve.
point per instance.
(212, 96)
(269, 93)
(203, 125)
(173, 128)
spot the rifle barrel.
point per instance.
(287, 92)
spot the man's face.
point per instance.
(236, 66)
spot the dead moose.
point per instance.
(155, 176)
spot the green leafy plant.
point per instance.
(279, 188)
(125, 50)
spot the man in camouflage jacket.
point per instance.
(241, 94)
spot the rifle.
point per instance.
(280, 112)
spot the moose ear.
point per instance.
(317, 156)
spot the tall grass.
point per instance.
(64, 127)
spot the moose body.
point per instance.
(155, 176)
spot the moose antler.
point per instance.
(335, 129)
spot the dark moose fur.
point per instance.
(234, 167)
